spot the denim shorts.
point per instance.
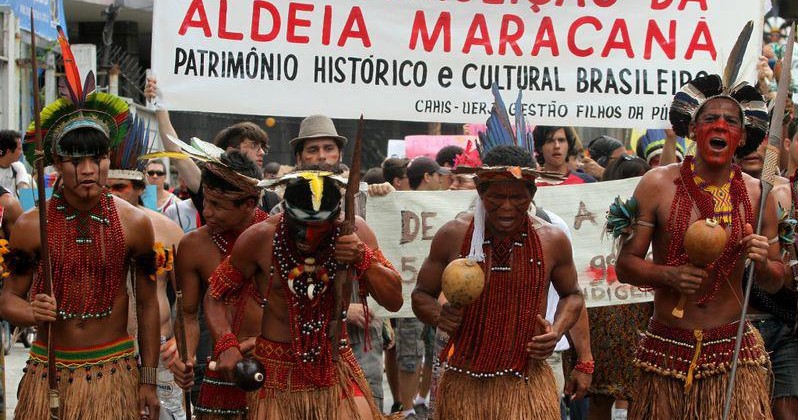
(782, 347)
(409, 343)
(429, 344)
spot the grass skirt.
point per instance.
(94, 383)
(287, 396)
(463, 397)
(683, 377)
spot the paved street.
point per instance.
(15, 362)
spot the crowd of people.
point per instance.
(273, 265)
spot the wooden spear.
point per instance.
(768, 179)
(347, 228)
(52, 380)
(180, 330)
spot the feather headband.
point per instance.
(80, 106)
(208, 156)
(688, 102)
(314, 179)
(125, 162)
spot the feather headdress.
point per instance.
(310, 195)
(500, 131)
(210, 157)
(79, 107)
(125, 162)
(689, 101)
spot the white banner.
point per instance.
(597, 63)
(405, 223)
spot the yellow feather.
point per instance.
(316, 182)
(161, 155)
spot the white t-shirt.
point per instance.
(184, 214)
(11, 177)
(553, 297)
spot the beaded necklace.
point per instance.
(720, 196)
(496, 327)
(227, 239)
(305, 284)
(88, 256)
(690, 195)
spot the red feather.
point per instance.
(71, 69)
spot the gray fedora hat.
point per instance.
(317, 127)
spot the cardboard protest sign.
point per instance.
(406, 222)
(596, 63)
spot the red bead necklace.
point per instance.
(227, 239)
(88, 257)
(689, 196)
(308, 311)
(497, 326)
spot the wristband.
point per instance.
(365, 262)
(225, 342)
(147, 375)
(583, 366)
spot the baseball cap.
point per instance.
(424, 165)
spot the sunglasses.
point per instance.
(153, 173)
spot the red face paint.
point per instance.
(308, 236)
(719, 130)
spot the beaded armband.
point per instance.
(225, 342)
(146, 263)
(226, 281)
(19, 262)
(379, 257)
(164, 260)
(365, 262)
(148, 375)
(585, 366)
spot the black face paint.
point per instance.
(309, 232)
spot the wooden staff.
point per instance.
(768, 179)
(52, 380)
(347, 228)
(180, 330)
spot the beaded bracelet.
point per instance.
(226, 341)
(365, 262)
(585, 366)
(148, 375)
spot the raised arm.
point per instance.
(668, 155)
(186, 168)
